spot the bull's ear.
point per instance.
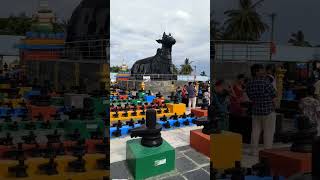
(159, 41)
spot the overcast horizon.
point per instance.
(292, 15)
(134, 30)
(62, 8)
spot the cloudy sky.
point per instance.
(63, 8)
(135, 25)
(292, 15)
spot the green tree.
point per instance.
(115, 69)
(15, 25)
(203, 73)
(175, 69)
(297, 39)
(186, 68)
(244, 23)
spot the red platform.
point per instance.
(283, 162)
(199, 112)
(46, 111)
(200, 142)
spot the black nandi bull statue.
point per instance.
(160, 66)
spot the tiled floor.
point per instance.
(190, 164)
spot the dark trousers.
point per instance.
(241, 125)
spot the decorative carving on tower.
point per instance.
(280, 73)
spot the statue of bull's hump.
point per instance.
(159, 64)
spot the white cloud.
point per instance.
(182, 14)
(135, 25)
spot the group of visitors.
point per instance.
(259, 95)
(190, 93)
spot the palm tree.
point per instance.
(297, 39)
(175, 69)
(245, 23)
(203, 73)
(186, 68)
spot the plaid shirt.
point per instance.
(261, 92)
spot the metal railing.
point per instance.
(240, 51)
(87, 51)
(158, 77)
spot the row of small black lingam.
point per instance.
(50, 168)
(55, 137)
(135, 113)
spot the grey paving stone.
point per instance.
(207, 168)
(183, 165)
(119, 170)
(165, 175)
(197, 174)
(179, 154)
(197, 157)
(174, 178)
(183, 148)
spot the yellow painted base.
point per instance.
(5, 86)
(135, 117)
(177, 108)
(92, 172)
(225, 149)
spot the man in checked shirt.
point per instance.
(262, 95)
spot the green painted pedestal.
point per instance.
(144, 162)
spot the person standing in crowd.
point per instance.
(221, 103)
(270, 70)
(310, 107)
(134, 93)
(184, 95)
(238, 96)
(262, 95)
(206, 96)
(238, 113)
(196, 87)
(317, 89)
(178, 94)
(191, 95)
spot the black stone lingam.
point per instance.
(116, 115)
(134, 113)
(30, 126)
(13, 126)
(7, 140)
(103, 148)
(75, 135)
(175, 116)
(54, 138)
(49, 168)
(79, 151)
(142, 121)
(164, 118)
(143, 112)
(238, 172)
(97, 134)
(210, 123)
(19, 170)
(130, 123)
(30, 138)
(151, 132)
